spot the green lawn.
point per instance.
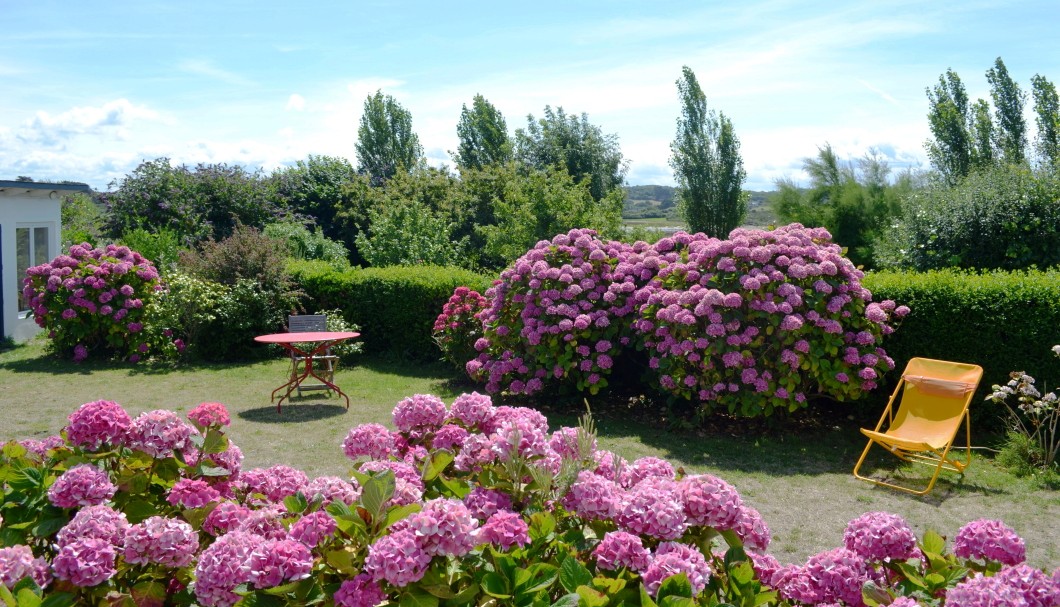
(800, 480)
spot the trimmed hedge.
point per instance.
(394, 306)
(1002, 321)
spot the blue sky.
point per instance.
(91, 89)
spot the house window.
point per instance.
(31, 249)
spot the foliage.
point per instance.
(1035, 418)
(457, 329)
(395, 306)
(82, 220)
(161, 246)
(463, 505)
(304, 244)
(854, 202)
(1002, 217)
(386, 143)
(407, 232)
(705, 156)
(752, 324)
(538, 205)
(197, 204)
(260, 293)
(187, 309)
(572, 144)
(92, 302)
(997, 320)
(349, 350)
(313, 189)
(1047, 119)
(1010, 140)
(483, 136)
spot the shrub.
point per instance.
(187, 307)
(997, 320)
(408, 232)
(465, 505)
(91, 302)
(303, 244)
(161, 246)
(556, 317)
(751, 324)
(1035, 418)
(457, 329)
(395, 307)
(1003, 217)
(82, 220)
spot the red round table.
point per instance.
(318, 342)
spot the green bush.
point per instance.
(303, 244)
(998, 320)
(395, 307)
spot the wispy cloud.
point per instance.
(207, 68)
(295, 102)
(111, 119)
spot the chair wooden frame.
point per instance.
(935, 396)
(305, 323)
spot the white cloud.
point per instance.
(295, 102)
(109, 120)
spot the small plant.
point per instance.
(1035, 420)
(456, 329)
(348, 350)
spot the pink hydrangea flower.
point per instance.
(828, 577)
(369, 440)
(332, 489)
(880, 536)
(1037, 588)
(159, 433)
(593, 497)
(982, 591)
(82, 485)
(421, 411)
(653, 507)
(100, 522)
(192, 493)
(221, 568)
(206, 415)
(231, 459)
(97, 424)
(442, 527)
(85, 562)
(672, 558)
(266, 522)
(565, 442)
(41, 447)
(274, 562)
(313, 528)
(752, 530)
(621, 549)
(226, 517)
(361, 591)
(609, 465)
(275, 482)
(484, 503)
(710, 501)
(397, 558)
(904, 601)
(505, 529)
(17, 562)
(646, 467)
(449, 436)
(166, 541)
(991, 540)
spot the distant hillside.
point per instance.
(657, 202)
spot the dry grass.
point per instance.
(800, 482)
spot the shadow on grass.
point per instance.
(296, 411)
(53, 365)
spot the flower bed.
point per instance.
(465, 504)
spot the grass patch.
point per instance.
(797, 475)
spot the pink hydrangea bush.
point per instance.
(457, 329)
(760, 321)
(754, 323)
(509, 513)
(93, 302)
(556, 316)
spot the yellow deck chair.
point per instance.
(935, 396)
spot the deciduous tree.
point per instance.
(1010, 136)
(1047, 119)
(705, 156)
(386, 142)
(483, 135)
(950, 152)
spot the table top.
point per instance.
(308, 336)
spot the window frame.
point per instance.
(20, 273)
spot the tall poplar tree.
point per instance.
(948, 117)
(1047, 119)
(386, 142)
(705, 157)
(1011, 133)
(483, 135)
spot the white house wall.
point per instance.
(22, 208)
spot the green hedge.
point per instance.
(1002, 321)
(395, 306)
